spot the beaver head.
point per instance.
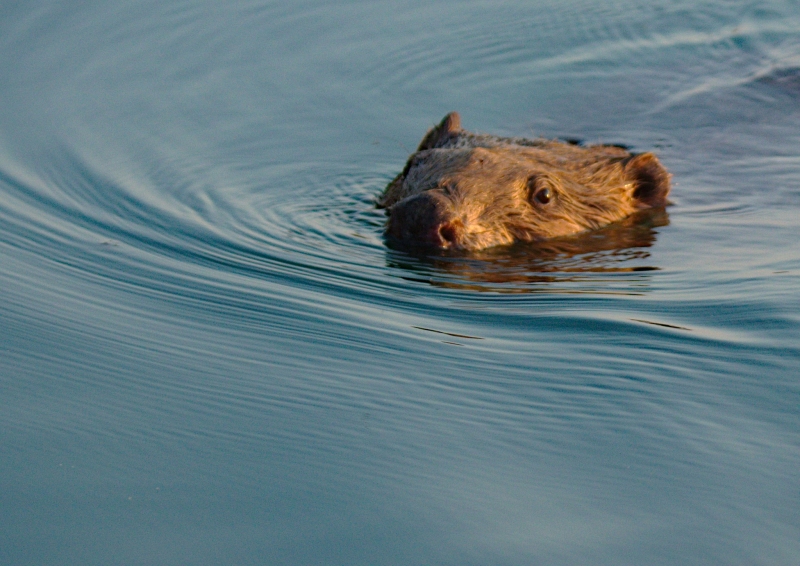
(461, 190)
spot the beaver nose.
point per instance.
(425, 219)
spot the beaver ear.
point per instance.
(449, 125)
(650, 179)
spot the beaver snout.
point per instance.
(426, 219)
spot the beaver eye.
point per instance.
(540, 190)
(544, 195)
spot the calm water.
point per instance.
(209, 356)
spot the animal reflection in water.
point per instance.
(607, 260)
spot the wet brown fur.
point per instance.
(462, 190)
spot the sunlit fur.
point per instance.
(482, 189)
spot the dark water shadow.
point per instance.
(786, 80)
(608, 260)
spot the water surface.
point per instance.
(208, 355)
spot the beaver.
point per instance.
(466, 191)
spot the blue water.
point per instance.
(208, 355)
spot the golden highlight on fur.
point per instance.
(462, 190)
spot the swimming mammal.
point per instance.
(462, 190)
